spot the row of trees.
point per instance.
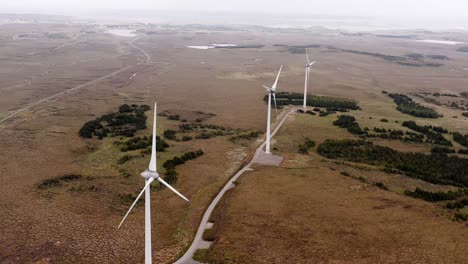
(406, 105)
(332, 103)
(434, 134)
(349, 122)
(435, 168)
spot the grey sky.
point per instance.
(419, 8)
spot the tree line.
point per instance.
(435, 167)
(338, 104)
(406, 105)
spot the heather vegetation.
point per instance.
(126, 122)
(406, 105)
(435, 168)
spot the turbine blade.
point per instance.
(312, 63)
(172, 189)
(273, 88)
(148, 182)
(267, 88)
(307, 55)
(274, 99)
(152, 165)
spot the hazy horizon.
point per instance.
(358, 15)
(389, 8)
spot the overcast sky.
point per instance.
(440, 8)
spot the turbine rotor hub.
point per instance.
(150, 174)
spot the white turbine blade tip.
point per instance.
(135, 202)
(152, 165)
(277, 78)
(172, 189)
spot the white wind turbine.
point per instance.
(271, 91)
(307, 72)
(150, 175)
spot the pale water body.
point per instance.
(212, 46)
(122, 32)
(443, 42)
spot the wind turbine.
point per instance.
(150, 175)
(307, 72)
(271, 92)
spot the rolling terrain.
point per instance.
(56, 77)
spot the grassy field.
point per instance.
(312, 209)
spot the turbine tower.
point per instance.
(150, 175)
(307, 72)
(271, 92)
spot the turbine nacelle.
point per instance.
(150, 174)
(308, 65)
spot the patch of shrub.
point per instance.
(209, 234)
(57, 181)
(125, 122)
(349, 122)
(433, 136)
(142, 143)
(455, 205)
(128, 199)
(381, 185)
(434, 196)
(304, 147)
(435, 168)
(186, 138)
(442, 150)
(171, 174)
(406, 105)
(170, 134)
(247, 136)
(463, 151)
(124, 159)
(201, 255)
(461, 139)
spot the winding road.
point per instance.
(198, 240)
